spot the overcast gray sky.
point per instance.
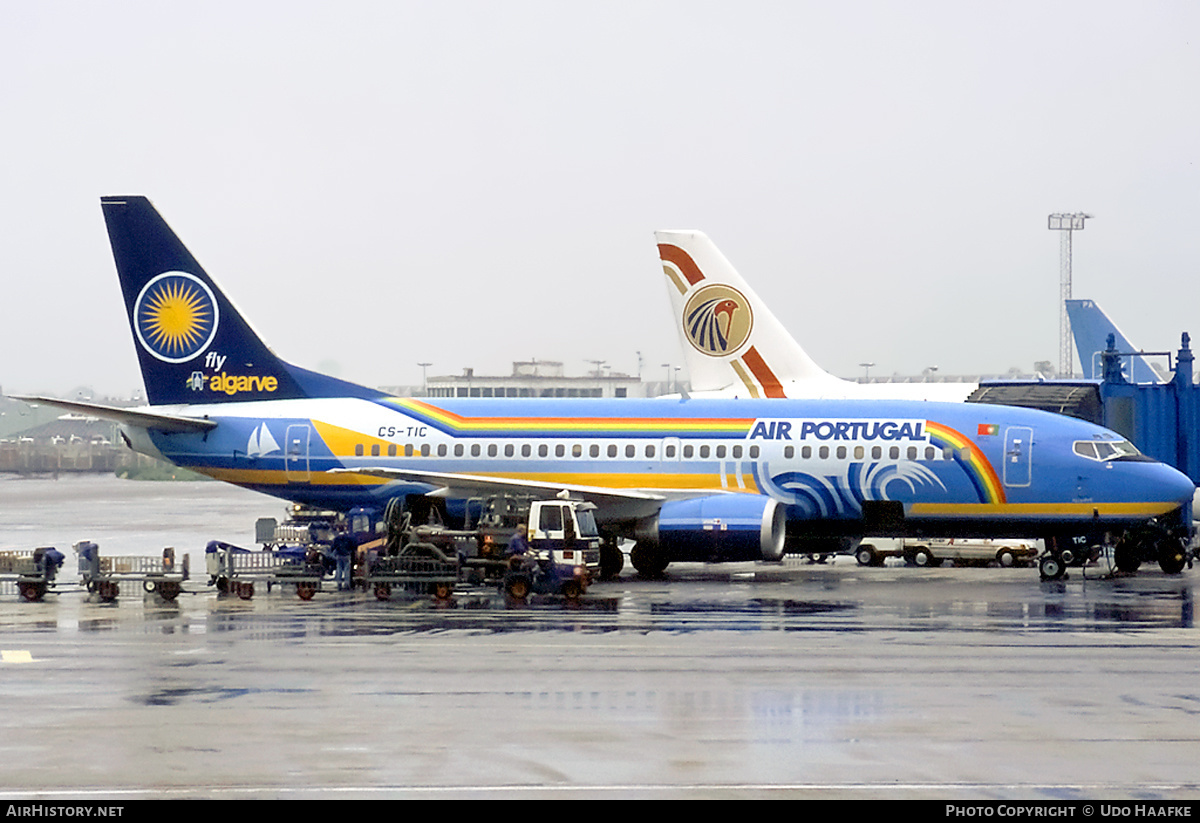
(378, 184)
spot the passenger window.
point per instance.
(391, 450)
(458, 450)
(526, 450)
(841, 452)
(805, 452)
(754, 452)
(789, 452)
(492, 450)
(859, 452)
(543, 450)
(594, 451)
(876, 452)
(560, 450)
(688, 451)
(894, 453)
(720, 452)
(737, 452)
(649, 451)
(474, 449)
(441, 449)
(823, 452)
(912, 452)
(612, 450)
(577, 450)
(703, 451)
(358, 450)
(508, 449)
(930, 453)
(408, 450)
(424, 449)
(631, 450)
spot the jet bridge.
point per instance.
(1161, 419)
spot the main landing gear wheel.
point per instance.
(612, 560)
(648, 560)
(1051, 567)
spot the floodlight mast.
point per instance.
(1068, 224)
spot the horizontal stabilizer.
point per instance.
(154, 421)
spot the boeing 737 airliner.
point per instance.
(688, 479)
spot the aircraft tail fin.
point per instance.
(1090, 327)
(731, 340)
(192, 344)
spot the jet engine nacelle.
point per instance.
(720, 527)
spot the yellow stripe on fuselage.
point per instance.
(1040, 510)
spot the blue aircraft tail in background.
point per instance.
(1091, 327)
(192, 344)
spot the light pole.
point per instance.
(866, 371)
(1068, 224)
(424, 379)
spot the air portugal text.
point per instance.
(857, 430)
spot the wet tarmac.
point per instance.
(747, 680)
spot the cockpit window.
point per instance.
(1105, 449)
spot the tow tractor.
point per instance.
(564, 551)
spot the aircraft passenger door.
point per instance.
(297, 453)
(1018, 453)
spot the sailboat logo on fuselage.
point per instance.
(175, 317)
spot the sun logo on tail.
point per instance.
(175, 317)
(717, 320)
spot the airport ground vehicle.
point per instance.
(562, 557)
(1004, 553)
(103, 575)
(929, 552)
(407, 545)
(31, 570)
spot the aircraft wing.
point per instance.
(466, 485)
(133, 417)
